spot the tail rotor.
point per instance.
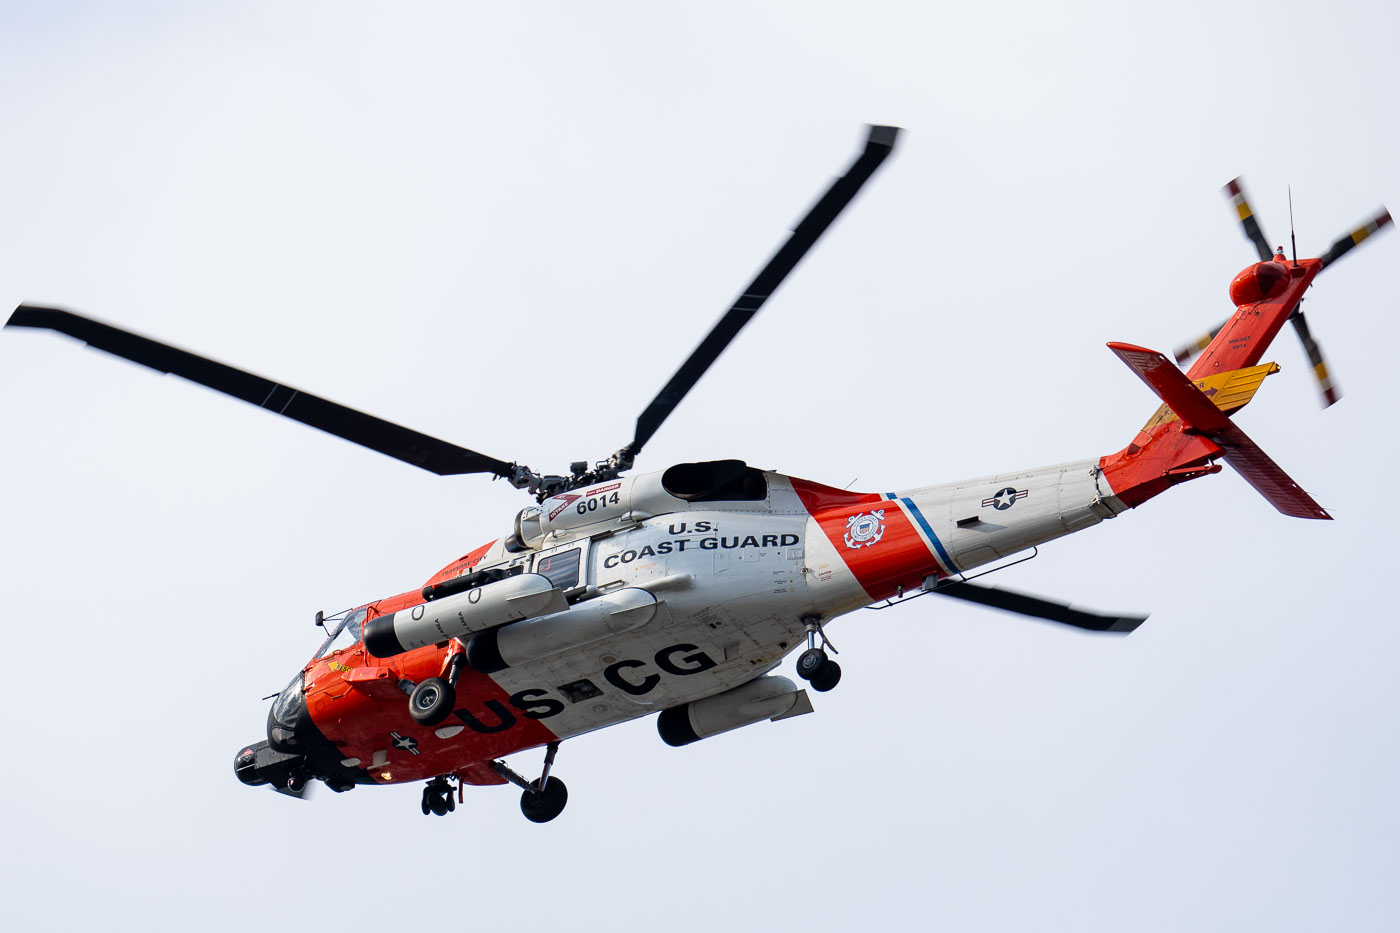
(1255, 234)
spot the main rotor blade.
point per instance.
(1235, 191)
(878, 145)
(1330, 392)
(1034, 606)
(420, 450)
(1349, 242)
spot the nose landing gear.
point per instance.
(813, 665)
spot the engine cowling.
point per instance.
(768, 697)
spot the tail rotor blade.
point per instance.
(1235, 191)
(1187, 351)
(1330, 392)
(1349, 242)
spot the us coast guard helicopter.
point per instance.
(680, 592)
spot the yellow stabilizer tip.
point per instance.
(1229, 391)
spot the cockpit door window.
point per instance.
(561, 567)
(343, 634)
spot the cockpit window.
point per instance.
(344, 633)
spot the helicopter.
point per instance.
(680, 592)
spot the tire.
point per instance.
(431, 701)
(810, 662)
(426, 808)
(438, 805)
(543, 806)
(826, 677)
(451, 799)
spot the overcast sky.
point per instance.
(506, 228)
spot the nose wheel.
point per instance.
(439, 797)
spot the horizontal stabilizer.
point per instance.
(1034, 606)
(1193, 407)
(1227, 391)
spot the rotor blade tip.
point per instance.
(26, 316)
(1232, 187)
(1125, 624)
(882, 136)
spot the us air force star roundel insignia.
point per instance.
(865, 529)
(1005, 498)
(406, 742)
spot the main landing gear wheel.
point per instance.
(541, 806)
(810, 662)
(431, 701)
(826, 677)
(813, 665)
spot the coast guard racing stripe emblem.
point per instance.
(865, 529)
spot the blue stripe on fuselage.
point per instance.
(923, 523)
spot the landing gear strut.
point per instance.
(813, 665)
(439, 797)
(544, 798)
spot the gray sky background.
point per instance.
(506, 228)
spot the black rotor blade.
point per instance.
(1235, 191)
(1188, 350)
(1349, 242)
(1330, 392)
(878, 145)
(1038, 608)
(420, 450)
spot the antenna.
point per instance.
(1291, 234)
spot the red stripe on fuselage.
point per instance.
(900, 559)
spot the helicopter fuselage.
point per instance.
(740, 563)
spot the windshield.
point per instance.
(344, 634)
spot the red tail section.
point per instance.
(1171, 450)
(1194, 408)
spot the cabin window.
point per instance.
(560, 567)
